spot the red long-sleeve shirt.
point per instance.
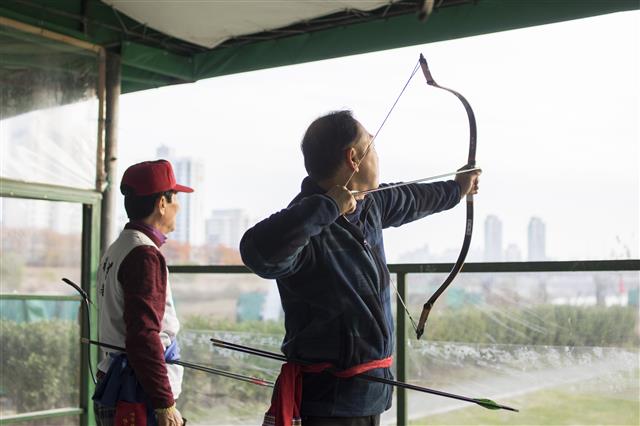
(143, 274)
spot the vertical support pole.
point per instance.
(113, 77)
(90, 261)
(102, 77)
(401, 353)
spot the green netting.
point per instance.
(27, 311)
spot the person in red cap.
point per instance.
(136, 308)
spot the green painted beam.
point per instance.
(105, 30)
(104, 25)
(53, 297)
(145, 49)
(134, 79)
(152, 59)
(522, 267)
(40, 415)
(13, 11)
(41, 191)
(484, 267)
(481, 17)
(209, 269)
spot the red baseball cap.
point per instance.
(150, 177)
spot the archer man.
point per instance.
(327, 254)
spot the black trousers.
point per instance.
(342, 421)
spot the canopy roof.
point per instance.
(209, 24)
(169, 42)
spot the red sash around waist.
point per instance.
(287, 394)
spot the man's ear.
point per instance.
(351, 158)
(161, 205)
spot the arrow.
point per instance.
(396, 185)
(241, 377)
(483, 402)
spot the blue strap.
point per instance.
(120, 383)
(172, 353)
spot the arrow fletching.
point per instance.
(492, 405)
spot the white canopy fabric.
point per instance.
(210, 22)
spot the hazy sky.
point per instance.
(558, 113)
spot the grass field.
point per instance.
(587, 403)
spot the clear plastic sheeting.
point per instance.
(49, 111)
(215, 400)
(566, 380)
(228, 299)
(41, 243)
(563, 348)
(40, 362)
(239, 308)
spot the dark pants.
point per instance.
(105, 416)
(342, 421)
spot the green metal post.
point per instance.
(89, 265)
(401, 353)
(89, 353)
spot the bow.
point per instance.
(471, 162)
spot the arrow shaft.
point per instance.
(363, 376)
(236, 376)
(396, 185)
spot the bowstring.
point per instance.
(366, 151)
(413, 323)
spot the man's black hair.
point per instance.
(325, 141)
(140, 207)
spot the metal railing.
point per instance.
(90, 202)
(43, 414)
(402, 270)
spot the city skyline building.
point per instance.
(226, 227)
(492, 239)
(57, 216)
(513, 253)
(536, 240)
(190, 221)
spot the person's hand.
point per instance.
(468, 182)
(169, 416)
(343, 198)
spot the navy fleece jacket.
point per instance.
(334, 285)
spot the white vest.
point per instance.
(111, 304)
